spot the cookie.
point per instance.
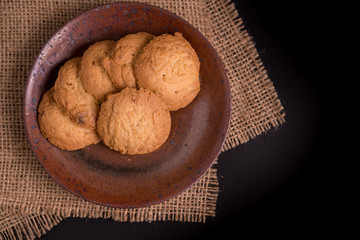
(70, 95)
(93, 75)
(134, 121)
(121, 62)
(59, 129)
(170, 67)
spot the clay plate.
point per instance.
(106, 177)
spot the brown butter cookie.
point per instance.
(59, 129)
(70, 95)
(170, 67)
(121, 62)
(134, 121)
(93, 75)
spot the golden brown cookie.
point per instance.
(93, 75)
(134, 121)
(59, 129)
(121, 62)
(170, 67)
(70, 95)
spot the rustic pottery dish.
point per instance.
(101, 175)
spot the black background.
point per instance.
(274, 184)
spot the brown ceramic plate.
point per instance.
(101, 175)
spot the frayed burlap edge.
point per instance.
(148, 214)
(249, 117)
(14, 225)
(19, 222)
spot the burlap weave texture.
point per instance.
(30, 201)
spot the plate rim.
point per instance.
(215, 151)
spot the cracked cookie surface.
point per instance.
(70, 95)
(59, 129)
(170, 67)
(134, 121)
(120, 64)
(93, 75)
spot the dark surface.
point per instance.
(274, 184)
(101, 175)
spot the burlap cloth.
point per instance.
(30, 201)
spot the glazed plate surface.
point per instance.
(101, 175)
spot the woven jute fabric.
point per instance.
(31, 202)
